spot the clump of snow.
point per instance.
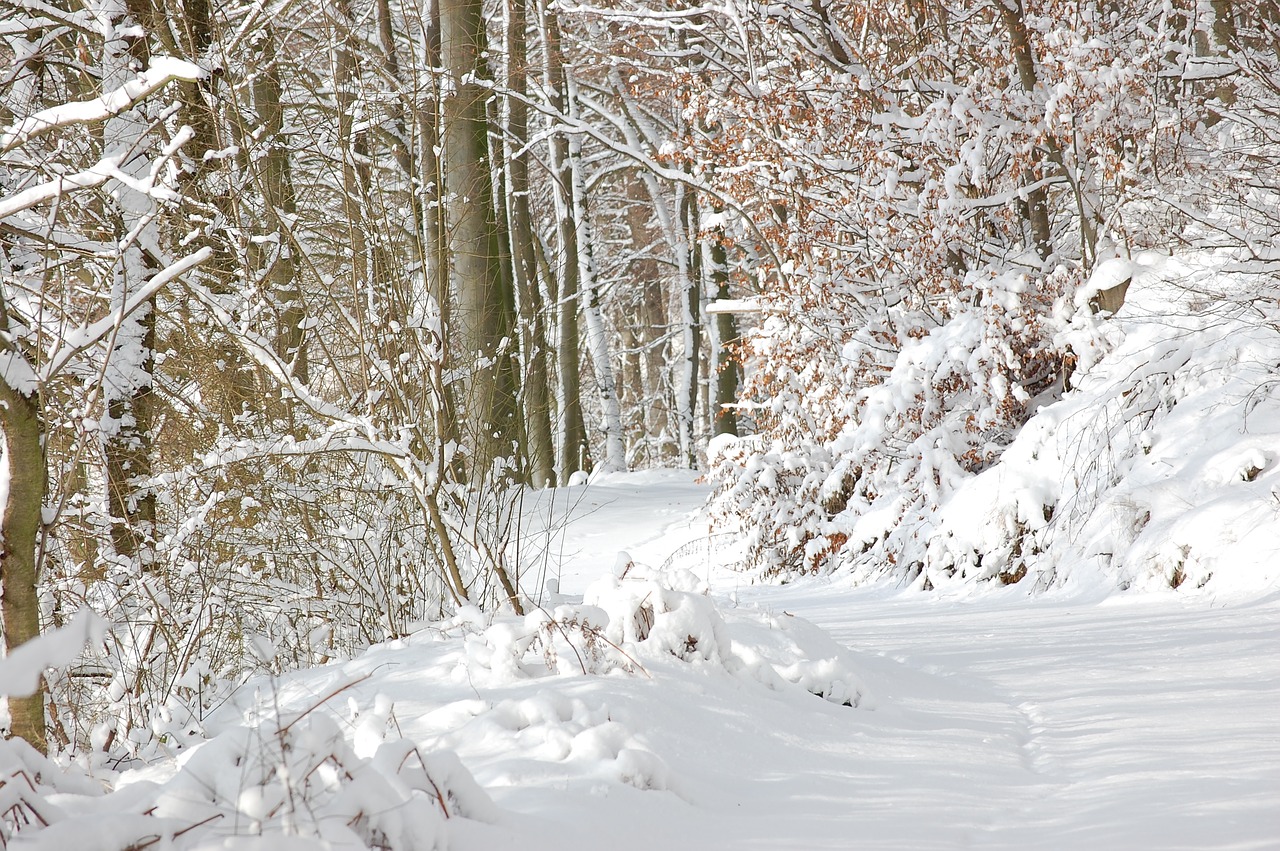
(29, 786)
(635, 619)
(551, 727)
(301, 783)
(21, 669)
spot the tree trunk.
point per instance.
(435, 228)
(724, 418)
(539, 447)
(1037, 198)
(351, 146)
(691, 325)
(473, 238)
(22, 482)
(129, 429)
(575, 451)
(276, 180)
(597, 342)
(644, 338)
(205, 180)
(128, 444)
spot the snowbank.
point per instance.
(969, 463)
(562, 698)
(1158, 469)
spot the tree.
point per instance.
(482, 318)
(22, 479)
(535, 377)
(953, 176)
(78, 281)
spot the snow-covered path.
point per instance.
(1142, 723)
(993, 720)
(1001, 722)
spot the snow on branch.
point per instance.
(82, 338)
(97, 174)
(20, 671)
(41, 15)
(735, 305)
(163, 70)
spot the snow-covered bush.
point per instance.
(1157, 469)
(927, 222)
(296, 783)
(272, 560)
(951, 402)
(269, 567)
(645, 621)
(950, 471)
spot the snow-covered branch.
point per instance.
(83, 338)
(20, 671)
(163, 70)
(97, 174)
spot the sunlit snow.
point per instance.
(984, 718)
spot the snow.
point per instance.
(659, 699)
(1158, 469)
(162, 71)
(20, 671)
(95, 175)
(734, 305)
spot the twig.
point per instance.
(322, 701)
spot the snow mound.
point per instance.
(557, 691)
(551, 727)
(303, 784)
(644, 620)
(1159, 468)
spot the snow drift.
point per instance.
(1158, 468)
(1155, 469)
(540, 700)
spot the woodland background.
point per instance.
(299, 299)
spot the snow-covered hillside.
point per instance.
(1154, 467)
(659, 699)
(1158, 469)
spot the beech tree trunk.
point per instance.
(131, 405)
(276, 180)
(473, 240)
(1037, 197)
(22, 481)
(535, 385)
(724, 418)
(574, 450)
(691, 325)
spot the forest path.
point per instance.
(1001, 721)
(990, 720)
(1141, 722)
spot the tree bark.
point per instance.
(691, 324)
(275, 177)
(539, 446)
(1037, 197)
(23, 471)
(435, 228)
(724, 418)
(131, 404)
(574, 450)
(597, 341)
(473, 237)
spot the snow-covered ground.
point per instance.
(1000, 721)
(986, 719)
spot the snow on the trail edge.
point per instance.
(298, 772)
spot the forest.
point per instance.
(307, 305)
